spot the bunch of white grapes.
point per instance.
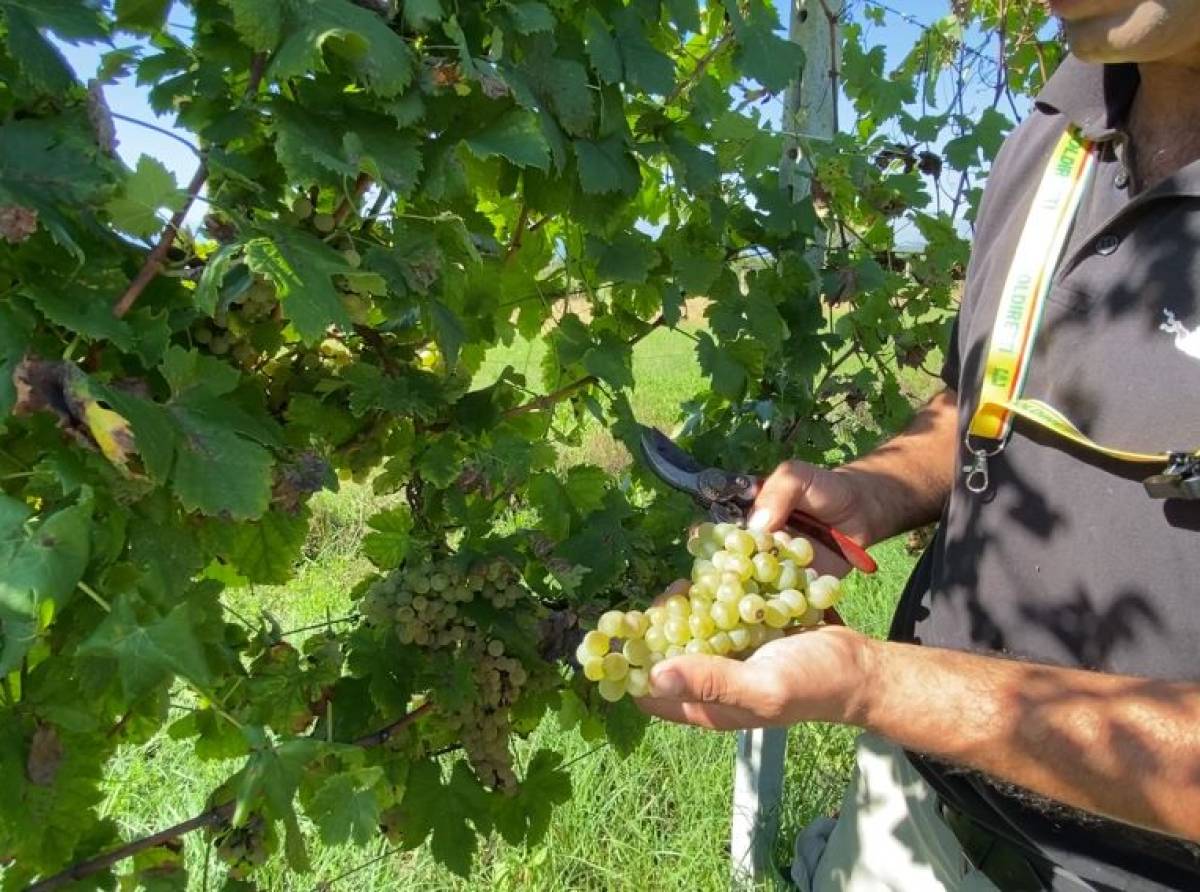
(422, 604)
(483, 725)
(746, 588)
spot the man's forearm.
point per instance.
(1128, 748)
(905, 482)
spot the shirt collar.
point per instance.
(1096, 98)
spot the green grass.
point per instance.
(657, 820)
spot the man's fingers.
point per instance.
(713, 680)
(703, 715)
(782, 492)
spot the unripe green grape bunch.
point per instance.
(746, 588)
(423, 603)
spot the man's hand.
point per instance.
(816, 675)
(832, 497)
(900, 486)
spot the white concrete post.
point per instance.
(810, 113)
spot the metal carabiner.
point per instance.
(978, 478)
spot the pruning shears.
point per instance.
(728, 496)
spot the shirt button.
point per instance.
(1122, 179)
(1107, 244)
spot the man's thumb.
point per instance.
(698, 679)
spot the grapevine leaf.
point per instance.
(271, 775)
(142, 15)
(442, 461)
(208, 290)
(628, 258)
(218, 472)
(516, 136)
(645, 67)
(531, 17)
(387, 544)
(39, 59)
(450, 332)
(42, 565)
(547, 496)
(345, 807)
(258, 22)
(301, 267)
(586, 487)
(611, 360)
(728, 375)
(264, 551)
(625, 725)
(379, 54)
(525, 816)
(148, 190)
(452, 814)
(685, 14)
(564, 83)
(190, 370)
(420, 14)
(771, 60)
(601, 47)
(605, 166)
(148, 653)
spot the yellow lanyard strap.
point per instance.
(1039, 250)
(1029, 278)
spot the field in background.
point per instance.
(658, 820)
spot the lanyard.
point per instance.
(1039, 250)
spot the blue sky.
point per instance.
(129, 99)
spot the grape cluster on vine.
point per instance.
(423, 605)
(746, 588)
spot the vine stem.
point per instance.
(166, 239)
(205, 819)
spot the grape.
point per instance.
(324, 223)
(720, 560)
(702, 569)
(611, 690)
(656, 639)
(777, 614)
(721, 643)
(596, 643)
(636, 652)
(796, 603)
(674, 651)
(740, 542)
(495, 647)
(636, 624)
(593, 668)
(698, 646)
(616, 666)
(656, 615)
(638, 682)
(698, 547)
(721, 531)
(612, 623)
(766, 568)
(752, 608)
(677, 606)
(730, 592)
(677, 631)
(701, 625)
(824, 592)
(801, 551)
(790, 575)
(706, 532)
(724, 615)
(741, 565)
(739, 638)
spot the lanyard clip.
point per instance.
(1180, 479)
(978, 478)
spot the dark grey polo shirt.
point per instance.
(1066, 560)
